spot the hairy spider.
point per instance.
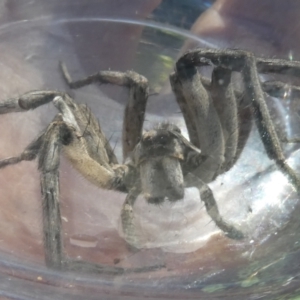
(159, 163)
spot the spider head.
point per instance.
(158, 156)
(161, 141)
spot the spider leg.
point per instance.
(277, 89)
(263, 120)
(282, 90)
(30, 100)
(225, 102)
(221, 102)
(136, 105)
(30, 153)
(239, 116)
(57, 135)
(48, 147)
(212, 208)
(91, 156)
(48, 165)
(202, 120)
(127, 216)
(246, 63)
(185, 109)
(274, 88)
(278, 66)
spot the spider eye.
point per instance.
(147, 140)
(163, 139)
(177, 129)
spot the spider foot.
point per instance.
(235, 234)
(132, 246)
(230, 231)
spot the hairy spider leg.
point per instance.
(30, 153)
(49, 158)
(127, 216)
(134, 113)
(211, 206)
(207, 121)
(246, 63)
(202, 120)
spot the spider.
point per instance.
(159, 163)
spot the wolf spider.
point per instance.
(160, 163)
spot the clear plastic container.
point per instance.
(182, 254)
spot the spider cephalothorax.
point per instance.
(161, 156)
(161, 162)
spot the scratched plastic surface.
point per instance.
(197, 261)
